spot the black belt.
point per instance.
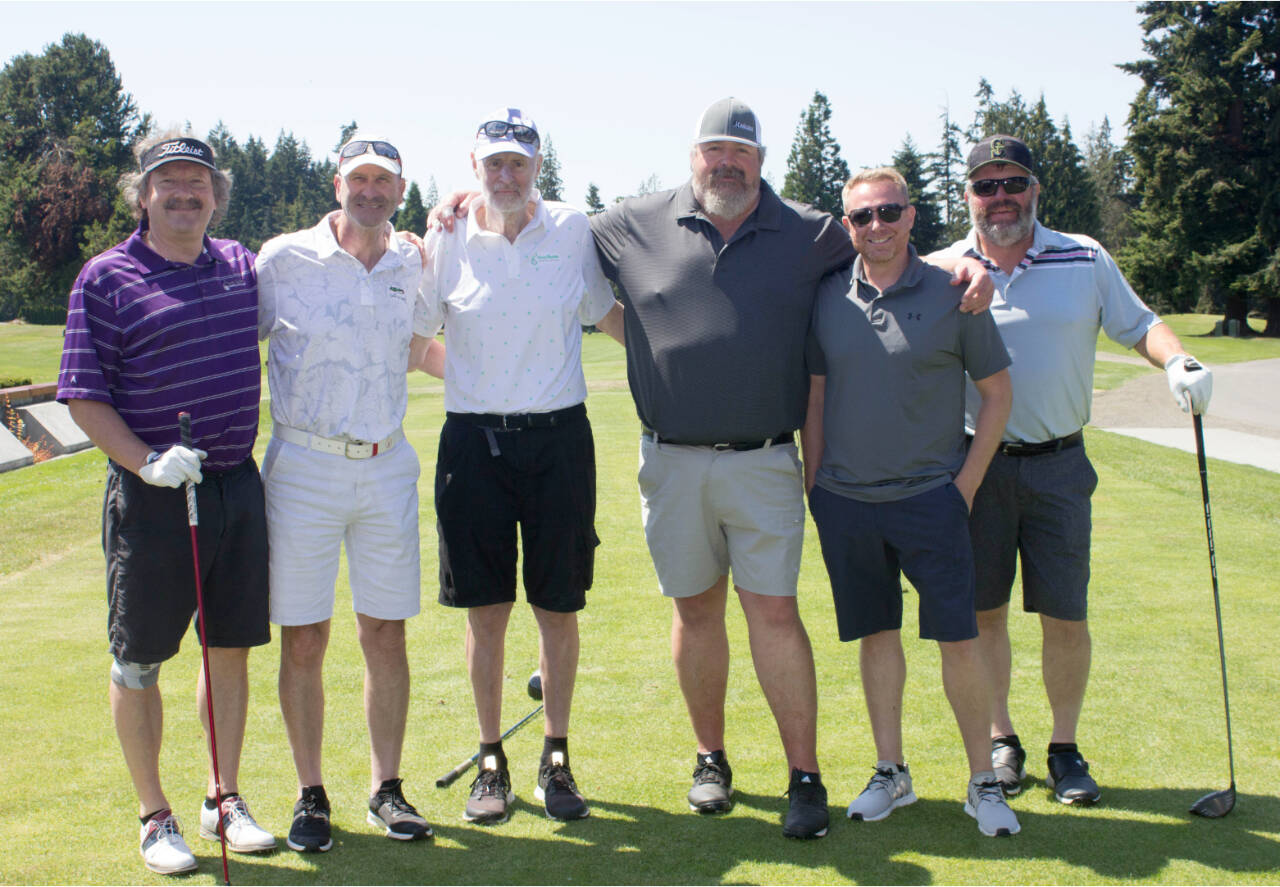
(738, 447)
(521, 421)
(1019, 449)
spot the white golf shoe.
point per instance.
(244, 835)
(163, 849)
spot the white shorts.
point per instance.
(315, 503)
(708, 512)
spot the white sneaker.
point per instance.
(163, 849)
(987, 805)
(243, 834)
(888, 790)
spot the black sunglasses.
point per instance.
(382, 149)
(1012, 185)
(888, 212)
(497, 129)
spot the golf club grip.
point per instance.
(184, 429)
(452, 776)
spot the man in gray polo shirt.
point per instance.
(890, 480)
(1054, 293)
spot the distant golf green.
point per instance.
(1152, 728)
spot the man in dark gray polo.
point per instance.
(891, 483)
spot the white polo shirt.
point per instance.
(1049, 311)
(513, 312)
(340, 334)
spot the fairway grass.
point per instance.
(1152, 728)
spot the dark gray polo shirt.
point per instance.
(715, 332)
(895, 363)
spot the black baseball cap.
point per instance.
(181, 148)
(1000, 149)
(728, 120)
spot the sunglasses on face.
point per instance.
(1012, 185)
(498, 129)
(382, 149)
(888, 212)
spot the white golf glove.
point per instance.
(1190, 382)
(174, 467)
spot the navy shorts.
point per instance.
(151, 589)
(1037, 507)
(542, 480)
(868, 545)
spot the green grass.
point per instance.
(1152, 727)
(30, 351)
(1196, 333)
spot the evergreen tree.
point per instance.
(549, 182)
(432, 197)
(651, 185)
(1109, 168)
(816, 172)
(927, 233)
(413, 216)
(1204, 131)
(948, 174)
(67, 131)
(594, 203)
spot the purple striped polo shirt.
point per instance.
(153, 337)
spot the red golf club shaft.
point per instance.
(193, 521)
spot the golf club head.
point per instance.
(535, 686)
(1215, 804)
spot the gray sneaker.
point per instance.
(887, 790)
(491, 794)
(712, 790)
(985, 803)
(1007, 760)
(398, 819)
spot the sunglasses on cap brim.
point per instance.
(498, 129)
(382, 149)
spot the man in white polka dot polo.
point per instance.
(512, 285)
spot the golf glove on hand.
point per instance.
(1190, 382)
(174, 467)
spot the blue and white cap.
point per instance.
(729, 120)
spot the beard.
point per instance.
(506, 203)
(725, 193)
(1004, 233)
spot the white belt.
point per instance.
(352, 449)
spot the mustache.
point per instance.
(184, 203)
(728, 173)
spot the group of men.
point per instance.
(743, 325)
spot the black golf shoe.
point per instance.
(1008, 760)
(491, 794)
(557, 790)
(712, 790)
(389, 811)
(807, 817)
(1070, 780)
(310, 830)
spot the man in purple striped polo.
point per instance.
(165, 322)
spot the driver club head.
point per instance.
(1215, 804)
(535, 685)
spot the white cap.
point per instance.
(368, 149)
(487, 145)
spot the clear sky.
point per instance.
(618, 86)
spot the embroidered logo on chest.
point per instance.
(535, 260)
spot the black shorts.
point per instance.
(151, 589)
(543, 479)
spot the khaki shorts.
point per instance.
(708, 513)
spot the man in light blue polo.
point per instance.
(891, 482)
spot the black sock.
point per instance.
(1008, 739)
(152, 815)
(210, 803)
(551, 744)
(389, 785)
(715, 757)
(800, 775)
(495, 749)
(1057, 748)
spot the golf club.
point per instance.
(193, 520)
(535, 692)
(1215, 804)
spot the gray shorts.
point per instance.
(707, 513)
(1037, 507)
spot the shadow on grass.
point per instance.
(932, 840)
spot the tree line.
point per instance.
(1189, 204)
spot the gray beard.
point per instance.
(1006, 234)
(722, 205)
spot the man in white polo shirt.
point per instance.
(340, 303)
(512, 285)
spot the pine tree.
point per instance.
(1110, 172)
(549, 182)
(927, 233)
(432, 197)
(816, 173)
(593, 201)
(413, 215)
(948, 174)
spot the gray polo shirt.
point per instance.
(715, 331)
(895, 363)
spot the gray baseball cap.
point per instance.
(729, 120)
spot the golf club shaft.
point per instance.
(1217, 601)
(193, 521)
(452, 776)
